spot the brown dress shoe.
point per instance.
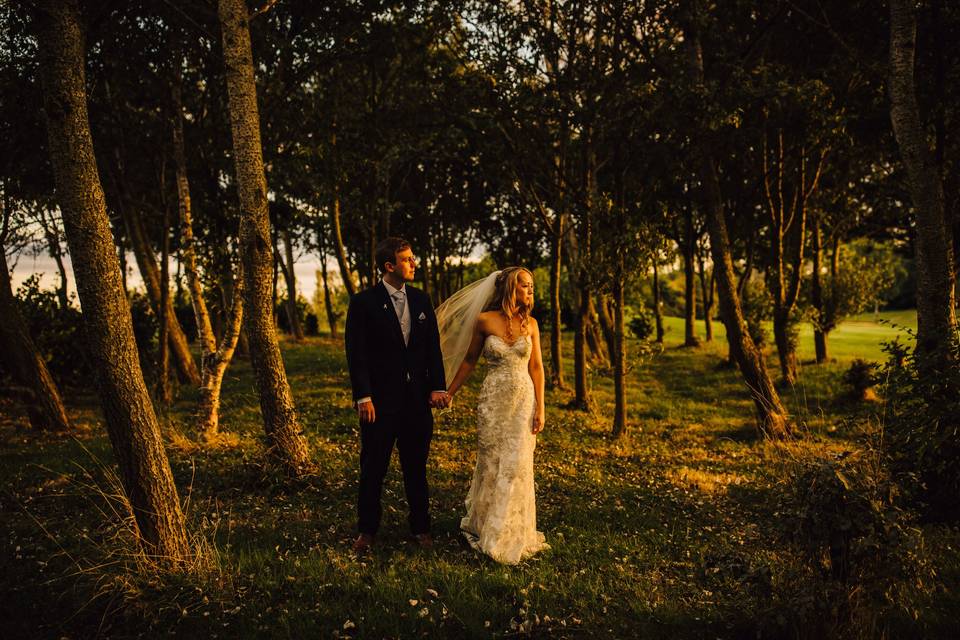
(363, 543)
(425, 540)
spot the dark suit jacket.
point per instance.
(381, 365)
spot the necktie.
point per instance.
(399, 302)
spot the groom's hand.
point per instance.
(366, 412)
(439, 399)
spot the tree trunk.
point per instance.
(936, 316)
(215, 365)
(122, 256)
(597, 351)
(429, 286)
(275, 251)
(584, 249)
(707, 288)
(339, 251)
(281, 423)
(373, 272)
(708, 310)
(581, 389)
(786, 347)
(56, 252)
(20, 357)
(131, 421)
(788, 227)
(556, 264)
(771, 415)
(608, 323)
(164, 391)
(687, 245)
(657, 304)
(619, 355)
(150, 273)
(214, 360)
(816, 295)
(332, 316)
(229, 284)
(289, 276)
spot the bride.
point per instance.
(492, 317)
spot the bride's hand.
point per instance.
(537, 421)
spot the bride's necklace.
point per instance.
(509, 334)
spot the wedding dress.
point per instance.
(501, 518)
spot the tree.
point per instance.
(131, 421)
(214, 357)
(20, 356)
(936, 278)
(707, 287)
(687, 236)
(281, 422)
(857, 278)
(788, 233)
(771, 415)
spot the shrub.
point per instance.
(922, 439)
(56, 332)
(863, 548)
(757, 308)
(861, 376)
(280, 313)
(312, 326)
(642, 324)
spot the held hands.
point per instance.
(366, 412)
(538, 417)
(440, 399)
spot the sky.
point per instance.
(305, 268)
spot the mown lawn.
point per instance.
(859, 337)
(674, 531)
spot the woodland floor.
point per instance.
(673, 531)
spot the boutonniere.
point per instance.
(422, 317)
(384, 307)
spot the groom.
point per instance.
(396, 371)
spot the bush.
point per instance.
(280, 313)
(863, 549)
(56, 332)
(312, 326)
(757, 308)
(642, 324)
(146, 331)
(922, 427)
(861, 376)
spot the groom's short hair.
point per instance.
(387, 249)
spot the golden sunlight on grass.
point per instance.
(704, 481)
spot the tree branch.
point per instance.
(263, 9)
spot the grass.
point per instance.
(859, 337)
(671, 532)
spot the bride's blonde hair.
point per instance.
(505, 299)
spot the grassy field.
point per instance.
(859, 337)
(677, 530)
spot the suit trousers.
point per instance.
(411, 431)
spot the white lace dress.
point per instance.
(501, 518)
